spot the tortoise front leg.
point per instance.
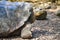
(25, 32)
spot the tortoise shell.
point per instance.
(13, 15)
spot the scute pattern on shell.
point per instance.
(13, 15)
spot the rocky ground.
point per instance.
(48, 29)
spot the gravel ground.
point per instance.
(48, 29)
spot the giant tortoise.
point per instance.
(14, 17)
